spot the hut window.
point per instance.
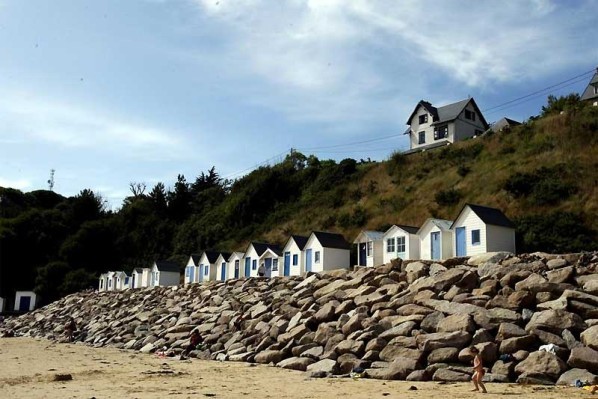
(390, 245)
(475, 237)
(317, 257)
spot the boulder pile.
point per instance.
(534, 319)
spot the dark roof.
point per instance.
(332, 240)
(195, 258)
(589, 93)
(225, 255)
(300, 241)
(260, 248)
(448, 112)
(429, 107)
(489, 215)
(168, 266)
(409, 229)
(138, 270)
(211, 255)
(502, 123)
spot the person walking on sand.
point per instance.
(478, 371)
(69, 329)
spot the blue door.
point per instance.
(223, 271)
(362, 254)
(237, 269)
(308, 260)
(287, 263)
(247, 267)
(435, 244)
(460, 241)
(191, 273)
(268, 265)
(24, 303)
(201, 273)
(133, 281)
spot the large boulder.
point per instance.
(509, 330)
(296, 363)
(555, 321)
(443, 355)
(590, 337)
(446, 374)
(456, 322)
(327, 366)
(542, 363)
(268, 356)
(398, 369)
(455, 339)
(569, 377)
(584, 358)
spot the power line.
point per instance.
(251, 168)
(352, 143)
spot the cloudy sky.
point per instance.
(108, 92)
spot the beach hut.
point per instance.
(401, 241)
(252, 255)
(326, 251)
(192, 269)
(25, 301)
(103, 283)
(480, 229)
(436, 239)
(207, 265)
(165, 273)
(136, 278)
(234, 265)
(293, 259)
(271, 259)
(120, 280)
(222, 266)
(369, 248)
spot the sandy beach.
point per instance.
(29, 367)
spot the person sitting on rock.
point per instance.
(69, 329)
(194, 340)
(478, 370)
(261, 271)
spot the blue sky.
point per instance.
(109, 92)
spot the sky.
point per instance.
(109, 92)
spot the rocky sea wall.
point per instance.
(533, 317)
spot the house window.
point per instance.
(441, 132)
(595, 89)
(126, 280)
(317, 257)
(423, 119)
(390, 245)
(295, 260)
(370, 248)
(401, 245)
(254, 264)
(421, 138)
(475, 237)
(274, 265)
(469, 115)
(206, 270)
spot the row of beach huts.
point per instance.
(476, 230)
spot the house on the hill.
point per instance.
(502, 125)
(165, 273)
(431, 127)
(222, 266)
(192, 269)
(293, 259)
(436, 239)
(480, 229)
(400, 241)
(590, 94)
(252, 256)
(207, 265)
(234, 265)
(369, 248)
(326, 251)
(25, 301)
(271, 259)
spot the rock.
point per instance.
(570, 340)
(584, 358)
(351, 346)
(443, 355)
(489, 257)
(503, 368)
(326, 313)
(542, 363)
(430, 322)
(569, 377)
(509, 330)
(512, 345)
(535, 379)
(590, 337)
(353, 324)
(313, 352)
(399, 369)
(376, 344)
(481, 335)
(548, 338)
(268, 356)
(450, 376)
(561, 275)
(455, 339)
(556, 263)
(439, 282)
(295, 363)
(418, 375)
(555, 321)
(337, 285)
(456, 322)
(324, 366)
(392, 352)
(149, 348)
(415, 270)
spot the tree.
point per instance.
(179, 200)
(158, 198)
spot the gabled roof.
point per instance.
(299, 240)
(408, 229)
(589, 92)
(271, 251)
(331, 240)
(138, 270)
(225, 255)
(502, 123)
(195, 258)
(491, 216)
(448, 112)
(260, 247)
(167, 266)
(237, 254)
(442, 224)
(369, 235)
(211, 255)
(429, 107)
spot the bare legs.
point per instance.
(477, 382)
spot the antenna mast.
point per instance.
(51, 180)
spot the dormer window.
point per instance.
(423, 119)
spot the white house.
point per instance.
(401, 241)
(25, 301)
(146, 277)
(165, 273)
(436, 239)
(293, 256)
(431, 126)
(192, 269)
(110, 281)
(207, 265)
(222, 273)
(590, 94)
(103, 283)
(369, 248)
(137, 280)
(234, 262)
(252, 256)
(480, 229)
(326, 251)
(272, 259)
(120, 280)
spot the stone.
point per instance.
(542, 363)
(509, 330)
(325, 365)
(337, 285)
(456, 322)
(149, 348)
(584, 358)
(455, 339)
(569, 377)
(392, 352)
(295, 363)
(430, 322)
(351, 346)
(562, 275)
(326, 313)
(415, 270)
(512, 345)
(313, 353)
(556, 263)
(535, 379)
(399, 369)
(488, 257)
(353, 324)
(555, 321)
(548, 338)
(268, 356)
(418, 375)
(443, 355)
(589, 337)
(439, 282)
(448, 375)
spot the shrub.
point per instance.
(463, 170)
(447, 197)
(543, 186)
(563, 103)
(396, 161)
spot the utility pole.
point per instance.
(51, 180)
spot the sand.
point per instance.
(29, 367)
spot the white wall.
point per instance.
(136, 279)
(293, 248)
(103, 283)
(335, 258)
(190, 264)
(470, 221)
(376, 256)
(315, 246)
(254, 257)
(465, 128)
(446, 242)
(411, 245)
(219, 268)
(500, 239)
(21, 294)
(231, 265)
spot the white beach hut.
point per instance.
(401, 241)
(326, 251)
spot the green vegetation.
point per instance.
(542, 174)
